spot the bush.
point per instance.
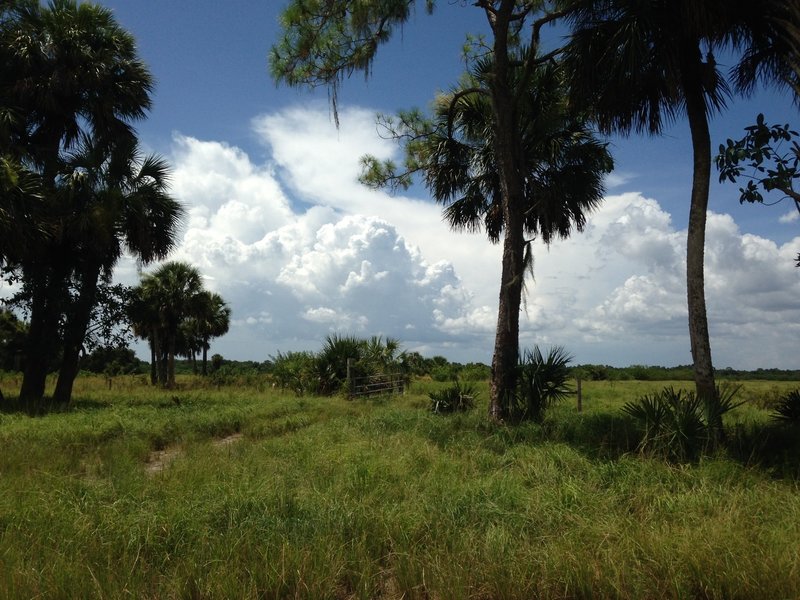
(112, 360)
(325, 373)
(787, 409)
(678, 425)
(294, 371)
(456, 398)
(540, 383)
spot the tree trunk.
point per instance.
(695, 241)
(74, 334)
(507, 153)
(153, 359)
(42, 339)
(38, 350)
(205, 358)
(171, 361)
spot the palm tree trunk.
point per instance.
(506, 341)
(37, 351)
(507, 153)
(153, 363)
(205, 358)
(171, 362)
(695, 241)
(74, 334)
(41, 343)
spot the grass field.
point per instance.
(246, 492)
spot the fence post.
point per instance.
(580, 395)
(350, 381)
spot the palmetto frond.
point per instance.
(564, 164)
(630, 59)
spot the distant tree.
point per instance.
(113, 360)
(145, 319)
(173, 293)
(12, 341)
(212, 321)
(171, 310)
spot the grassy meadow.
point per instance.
(244, 491)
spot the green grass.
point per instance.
(329, 498)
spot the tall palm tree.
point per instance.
(640, 64)
(174, 293)
(325, 41)
(212, 320)
(70, 71)
(145, 320)
(120, 203)
(561, 167)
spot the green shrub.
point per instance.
(678, 425)
(294, 371)
(673, 424)
(540, 383)
(787, 409)
(455, 398)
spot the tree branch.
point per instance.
(533, 61)
(451, 108)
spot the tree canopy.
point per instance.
(77, 192)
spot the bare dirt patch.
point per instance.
(159, 459)
(227, 440)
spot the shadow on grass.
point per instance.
(773, 447)
(770, 447)
(46, 406)
(596, 435)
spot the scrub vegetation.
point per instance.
(249, 491)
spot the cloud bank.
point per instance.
(299, 249)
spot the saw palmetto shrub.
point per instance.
(541, 381)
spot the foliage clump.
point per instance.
(679, 425)
(541, 381)
(787, 409)
(325, 373)
(457, 397)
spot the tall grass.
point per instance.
(329, 498)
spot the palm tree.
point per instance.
(173, 293)
(69, 71)
(120, 203)
(560, 167)
(212, 320)
(640, 64)
(145, 322)
(325, 41)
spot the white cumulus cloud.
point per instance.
(299, 249)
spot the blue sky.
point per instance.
(282, 230)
